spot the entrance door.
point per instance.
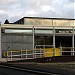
(64, 41)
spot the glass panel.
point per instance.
(43, 40)
(17, 31)
(44, 31)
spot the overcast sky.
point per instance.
(16, 9)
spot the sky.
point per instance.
(16, 9)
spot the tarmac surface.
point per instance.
(56, 68)
(6, 71)
(55, 65)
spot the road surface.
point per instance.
(6, 71)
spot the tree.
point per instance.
(6, 22)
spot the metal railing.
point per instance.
(18, 53)
(67, 51)
(27, 54)
(39, 53)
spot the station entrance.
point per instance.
(63, 45)
(44, 44)
(64, 41)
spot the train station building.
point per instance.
(36, 37)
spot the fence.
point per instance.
(40, 53)
(67, 51)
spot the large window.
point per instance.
(17, 31)
(43, 31)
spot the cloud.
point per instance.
(8, 1)
(15, 9)
(46, 8)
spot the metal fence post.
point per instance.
(21, 53)
(61, 50)
(11, 54)
(26, 54)
(35, 52)
(7, 55)
(71, 51)
(40, 53)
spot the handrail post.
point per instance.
(7, 55)
(61, 50)
(11, 54)
(21, 53)
(40, 53)
(35, 52)
(26, 53)
(71, 51)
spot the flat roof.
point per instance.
(46, 18)
(50, 18)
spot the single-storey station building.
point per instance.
(36, 37)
